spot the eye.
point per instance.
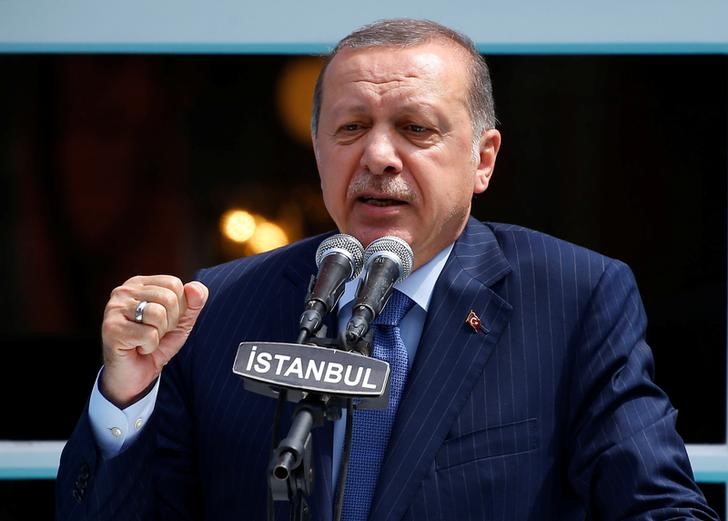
(350, 132)
(351, 127)
(416, 129)
(419, 133)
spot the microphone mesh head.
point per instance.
(396, 249)
(346, 245)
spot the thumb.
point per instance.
(196, 294)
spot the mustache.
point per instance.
(384, 187)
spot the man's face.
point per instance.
(395, 146)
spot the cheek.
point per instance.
(333, 189)
(336, 169)
(332, 183)
(327, 191)
(453, 195)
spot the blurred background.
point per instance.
(115, 164)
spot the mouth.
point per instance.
(380, 201)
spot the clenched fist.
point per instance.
(137, 345)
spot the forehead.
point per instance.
(436, 67)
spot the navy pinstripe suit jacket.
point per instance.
(548, 412)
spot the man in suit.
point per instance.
(542, 408)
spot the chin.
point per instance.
(368, 236)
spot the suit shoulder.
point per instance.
(527, 248)
(293, 258)
(511, 236)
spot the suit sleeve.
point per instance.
(89, 487)
(154, 479)
(626, 458)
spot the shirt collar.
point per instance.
(418, 286)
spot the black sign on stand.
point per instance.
(322, 381)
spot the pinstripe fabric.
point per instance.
(548, 412)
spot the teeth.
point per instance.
(379, 202)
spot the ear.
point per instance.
(314, 142)
(490, 143)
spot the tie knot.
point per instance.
(397, 307)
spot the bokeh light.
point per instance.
(238, 225)
(294, 95)
(267, 236)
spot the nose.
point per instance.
(381, 155)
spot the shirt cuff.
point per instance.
(116, 429)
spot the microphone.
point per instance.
(338, 259)
(305, 369)
(387, 261)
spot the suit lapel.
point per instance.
(450, 358)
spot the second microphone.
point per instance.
(387, 261)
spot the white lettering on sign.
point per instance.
(315, 372)
(251, 358)
(347, 376)
(303, 368)
(366, 383)
(333, 373)
(281, 359)
(263, 365)
(295, 368)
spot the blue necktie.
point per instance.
(372, 427)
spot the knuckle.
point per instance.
(149, 342)
(153, 339)
(117, 292)
(136, 280)
(107, 329)
(152, 313)
(162, 318)
(113, 320)
(144, 349)
(177, 286)
(168, 299)
(157, 315)
(114, 340)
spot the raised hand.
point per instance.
(139, 339)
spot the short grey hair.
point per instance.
(406, 32)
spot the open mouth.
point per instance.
(375, 201)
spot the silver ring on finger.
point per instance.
(139, 312)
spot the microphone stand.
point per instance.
(290, 473)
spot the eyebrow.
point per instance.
(414, 107)
(359, 107)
